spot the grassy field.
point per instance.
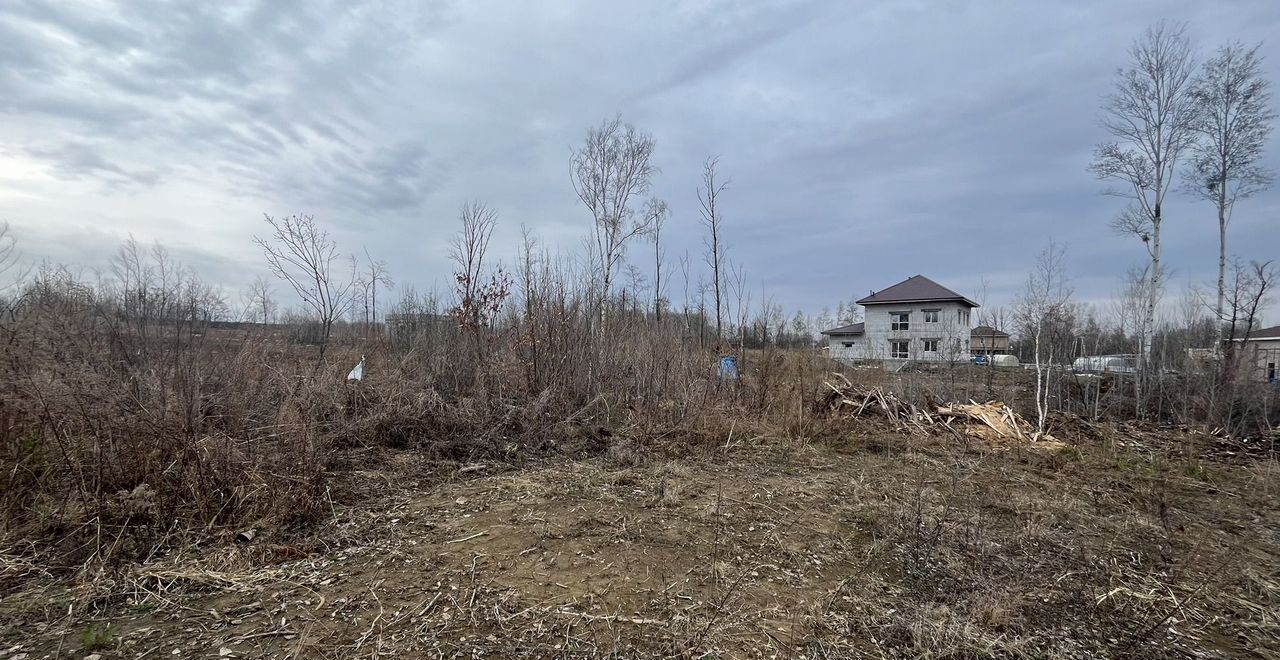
(1127, 542)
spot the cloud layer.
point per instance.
(865, 142)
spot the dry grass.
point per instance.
(539, 489)
(836, 549)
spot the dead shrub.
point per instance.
(625, 453)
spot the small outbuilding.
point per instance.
(846, 342)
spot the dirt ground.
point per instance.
(1129, 542)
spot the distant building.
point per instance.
(1260, 359)
(847, 341)
(1122, 364)
(986, 340)
(407, 325)
(916, 319)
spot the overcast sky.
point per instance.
(866, 142)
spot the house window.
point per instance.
(899, 348)
(899, 320)
(1271, 372)
(847, 344)
(962, 316)
(931, 346)
(931, 315)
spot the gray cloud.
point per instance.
(866, 143)
(76, 160)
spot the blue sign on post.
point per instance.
(728, 368)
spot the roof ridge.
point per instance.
(915, 288)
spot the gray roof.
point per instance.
(915, 289)
(987, 331)
(851, 329)
(1266, 333)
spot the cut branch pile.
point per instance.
(849, 401)
(992, 421)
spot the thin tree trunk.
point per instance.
(1222, 262)
(1039, 387)
(657, 276)
(1149, 317)
(715, 268)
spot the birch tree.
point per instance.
(1233, 119)
(1044, 299)
(1151, 116)
(611, 172)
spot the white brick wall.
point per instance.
(839, 351)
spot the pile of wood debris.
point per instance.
(992, 421)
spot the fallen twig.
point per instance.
(468, 538)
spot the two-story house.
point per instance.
(916, 319)
(986, 340)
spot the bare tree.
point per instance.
(301, 253)
(1233, 103)
(1249, 292)
(12, 272)
(684, 273)
(1044, 299)
(609, 172)
(8, 250)
(702, 311)
(737, 283)
(1129, 307)
(994, 317)
(374, 275)
(708, 197)
(657, 267)
(528, 272)
(801, 329)
(11, 275)
(1151, 115)
(823, 320)
(1251, 286)
(952, 345)
(478, 301)
(260, 300)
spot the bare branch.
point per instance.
(609, 171)
(299, 252)
(1152, 116)
(1045, 299)
(713, 219)
(1233, 119)
(478, 301)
